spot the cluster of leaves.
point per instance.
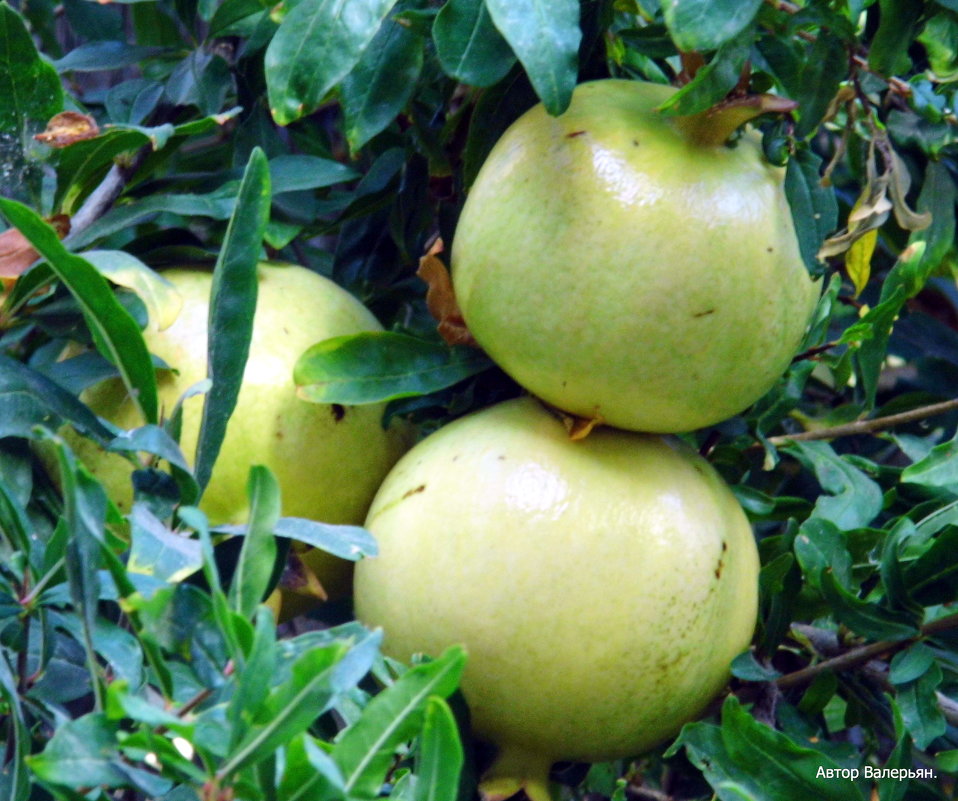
(134, 657)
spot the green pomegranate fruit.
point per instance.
(626, 265)
(601, 588)
(328, 460)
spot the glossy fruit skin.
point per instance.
(615, 268)
(601, 587)
(328, 460)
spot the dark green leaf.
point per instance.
(498, 107)
(824, 69)
(30, 94)
(295, 173)
(381, 83)
(29, 398)
(309, 773)
(375, 366)
(131, 102)
(83, 753)
(234, 12)
(103, 55)
(291, 707)
(932, 578)
(862, 617)
(202, 79)
(938, 469)
(911, 664)
(746, 666)
(544, 35)
(439, 758)
(116, 645)
(814, 207)
(14, 779)
(892, 567)
(707, 24)
(891, 788)
(897, 25)
(256, 676)
(918, 702)
(316, 46)
(116, 334)
(745, 759)
(853, 499)
(366, 750)
(255, 566)
(819, 545)
(469, 47)
(232, 305)
(779, 581)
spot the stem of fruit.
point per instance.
(516, 769)
(714, 126)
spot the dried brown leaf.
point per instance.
(441, 299)
(68, 127)
(297, 577)
(577, 427)
(17, 254)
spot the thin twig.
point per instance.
(864, 653)
(104, 196)
(868, 426)
(897, 85)
(811, 352)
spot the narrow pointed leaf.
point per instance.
(366, 750)
(115, 333)
(255, 565)
(232, 306)
(382, 365)
(439, 759)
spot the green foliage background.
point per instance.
(135, 660)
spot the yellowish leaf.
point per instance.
(858, 260)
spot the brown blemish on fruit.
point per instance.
(414, 491)
(704, 313)
(338, 410)
(721, 562)
(574, 134)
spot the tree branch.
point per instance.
(104, 196)
(868, 426)
(864, 653)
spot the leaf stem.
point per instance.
(864, 653)
(868, 426)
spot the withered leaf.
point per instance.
(577, 427)
(17, 254)
(68, 127)
(882, 194)
(441, 299)
(297, 577)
